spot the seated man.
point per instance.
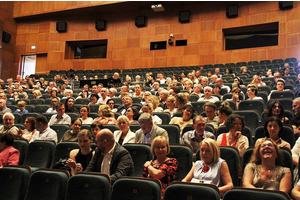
(295, 122)
(44, 132)
(208, 95)
(194, 137)
(8, 124)
(61, 117)
(54, 101)
(148, 130)
(127, 102)
(3, 108)
(220, 82)
(110, 158)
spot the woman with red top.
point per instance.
(163, 168)
(8, 154)
(235, 124)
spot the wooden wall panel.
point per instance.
(129, 46)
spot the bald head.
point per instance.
(106, 134)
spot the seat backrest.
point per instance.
(45, 184)
(232, 157)
(173, 132)
(60, 130)
(62, 150)
(282, 94)
(251, 118)
(48, 115)
(246, 132)
(39, 154)
(252, 193)
(22, 146)
(252, 105)
(18, 118)
(84, 101)
(140, 153)
(90, 186)
(184, 156)
(136, 189)
(37, 101)
(94, 108)
(24, 116)
(111, 127)
(165, 117)
(41, 108)
(183, 190)
(14, 182)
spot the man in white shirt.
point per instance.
(219, 81)
(54, 101)
(61, 117)
(208, 95)
(104, 98)
(44, 132)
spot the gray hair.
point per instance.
(145, 118)
(112, 90)
(8, 114)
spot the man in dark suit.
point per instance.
(110, 157)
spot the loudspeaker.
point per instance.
(61, 27)
(100, 25)
(285, 5)
(232, 11)
(184, 17)
(140, 21)
(6, 37)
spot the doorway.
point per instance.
(28, 65)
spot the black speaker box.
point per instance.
(100, 25)
(140, 21)
(6, 37)
(61, 27)
(232, 11)
(285, 5)
(184, 17)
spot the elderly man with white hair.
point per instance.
(163, 95)
(8, 124)
(3, 108)
(208, 95)
(115, 80)
(112, 92)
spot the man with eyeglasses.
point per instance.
(127, 102)
(155, 88)
(110, 158)
(54, 101)
(95, 91)
(138, 91)
(194, 137)
(295, 122)
(104, 98)
(148, 130)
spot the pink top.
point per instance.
(9, 156)
(111, 120)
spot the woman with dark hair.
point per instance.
(265, 169)
(29, 130)
(84, 154)
(187, 113)
(275, 109)
(252, 91)
(69, 105)
(235, 124)
(94, 98)
(273, 130)
(180, 102)
(229, 71)
(54, 93)
(84, 112)
(111, 104)
(72, 135)
(132, 113)
(223, 112)
(8, 154)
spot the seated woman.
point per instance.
(235, 124)
(211, 168)
(132, 114)
(265, 171)
(72, 135)
(83, 155)
(8, 154)
(223, 112)
(252, 91)
(111, 104)
(36, 94)
(280, 84)
(180, 102)
(273, 130)
(155, 102)
(244, 70)
(188, 111)
(94, 99)
(211, 117)
(29, 130)
(257, 81)
(163, 168)
(236, 91)
(275, 109)
(21, 105)
(138, 91)
(146, 95)
(69, 105)
(106, 116)
(171, 105)
(148, 108)
(124, 135)
(84, 111)
(54, 93)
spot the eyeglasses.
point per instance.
(267, 145)
(111, 103)
(237, 124)
(250, 90)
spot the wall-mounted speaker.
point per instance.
(232, 11)
(61, 27)
(6, 37)
(184, 17)
(100, 25)
(285, 5)
(140, 21)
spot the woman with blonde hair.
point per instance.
(163, 168)
(155, 102)
(257, 81)
(124, 135)
(106, 116)
(171, 105)
(37, 94)
(211, 168)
